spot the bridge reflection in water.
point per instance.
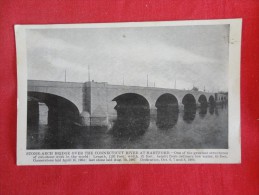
(202, 127)
(167, 111)
(80, 115)
(133, 115)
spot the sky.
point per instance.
(183, 55)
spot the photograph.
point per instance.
(139, 87)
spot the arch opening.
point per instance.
(212, 101)
(60, 110)
(203, 111)
(133, 115)
(50, 121)
(189, 103)
(167, 111)
(203, 106)
(203, 101)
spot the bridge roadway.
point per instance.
(98, 100)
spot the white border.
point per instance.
(234, 150)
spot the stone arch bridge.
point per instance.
(81, 102)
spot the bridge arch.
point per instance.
(59, 109)
(203, 105)
(167, 111)
(212, 100)
(189, 103)
(131, 104)
(166, 100)
(188, 100)
(132, 100)
(133, 114)
(203, 100)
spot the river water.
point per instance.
(205, 128)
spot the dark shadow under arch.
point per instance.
(167, 111)
(133, 115)
(189, 99)
(60, 109)
(189, 103)
(212, 101)
(203, 106)
(62, 121)
(203, 101)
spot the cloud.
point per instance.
(113, 55)
(38, 40)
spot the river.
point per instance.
(205, 128)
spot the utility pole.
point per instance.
(147, 80)
(65, 75)
(89, 78)
(175, 83)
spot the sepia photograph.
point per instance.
(140, 85)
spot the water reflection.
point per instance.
(167, 118)
(189, 103)
(167, 111)
(211, 109)
(224, 104)
(56, 136)
(216, 111)
(134, 129)
(189, 113)
(131, 121)
(203, 111)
